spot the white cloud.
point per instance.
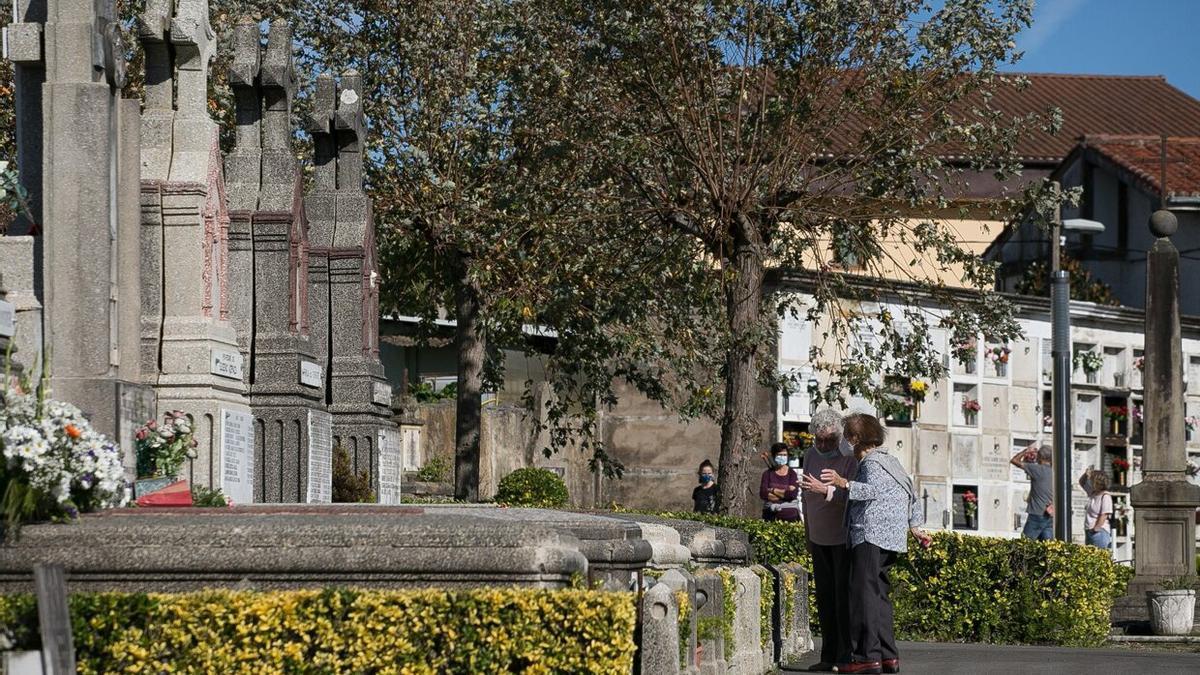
(1048, 17)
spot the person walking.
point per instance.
(825, 524)
(1097, 519)
(882, 510)
(705, 496)
(1039, 519)
(779, 486)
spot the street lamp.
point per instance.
(1060, 319)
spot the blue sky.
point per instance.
(1116, 37)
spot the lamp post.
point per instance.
(1060, 318)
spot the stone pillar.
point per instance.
(198, 365)
(710, 618)
(293, 443)
(243, 173)
(359, 395)
(659, 651)
(81, 139)
(747, 642)
(1164, 502)
(683, 583)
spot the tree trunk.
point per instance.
(469, 339)
(739, 428)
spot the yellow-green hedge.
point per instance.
(986, 589)
(344, 631)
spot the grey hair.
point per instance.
(826, 420)
(1045, 454)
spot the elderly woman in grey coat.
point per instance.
(882, 510)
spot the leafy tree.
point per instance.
(764, 130)
(1035, 281)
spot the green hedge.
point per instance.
(967, 588)
(343, 631)
(984, 589)
(531, 486)
(772, 542)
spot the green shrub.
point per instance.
(349, 487)
(772, 542)
(984, 589)
(344, 631)
(208, 498)
(436, 470)
(532, 487)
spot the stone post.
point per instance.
(347, 286)
(1164, 502)
(198, 367)
(659, 651)
(78, 139)
(17, 260)
(293, 442)
(681, 582)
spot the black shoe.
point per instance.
(891, 665)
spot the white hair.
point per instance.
(826, 420)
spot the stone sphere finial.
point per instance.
(1163, 223)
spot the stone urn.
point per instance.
(1171, 612)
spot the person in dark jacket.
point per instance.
(779, 487)
(705, 497)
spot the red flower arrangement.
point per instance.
(1119, 464)
(970, 503)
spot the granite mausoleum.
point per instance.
(163, 276)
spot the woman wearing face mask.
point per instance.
(882, 509)
(779, 487)
(704, 495)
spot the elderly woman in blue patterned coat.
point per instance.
(882, 510)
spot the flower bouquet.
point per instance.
(917, 390)
(55, 465)
(161, 452)
(1115, 414)
(1089, 362)
(1120, 467)
(964, 353)
(970, 409)
(970, 507)
(1140, 363)
(998, 356)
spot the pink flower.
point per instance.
(151, 424)
(140, 435)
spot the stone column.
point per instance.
(199, 368)
(17, 260)
(1164, 502)
(293, 443)
(359, 394)
(80, 138)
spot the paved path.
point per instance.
(938, 657)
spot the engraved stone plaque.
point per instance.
(237, 456)
(964, 460)
(934, 498)
(1024, 403)
(388, 442)
(320, 457)
(995, 459)
(381, 393)
(8, 319)
(410, 438)
(227, 363)
(311, 374)
(933, 453)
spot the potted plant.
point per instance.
(1115, 414)
(1173, 607)
(970, 508)
(1090, 362)
(970, 408)
(1190, 423)
(162, 450)
(998, 356)
(1120, 468)
(917, 389)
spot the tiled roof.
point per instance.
(1142, 157)
(1099, 104)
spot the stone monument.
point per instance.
(197, 366)
(78, 141)
(1164, 502)
(344, 278)
(287, 383)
